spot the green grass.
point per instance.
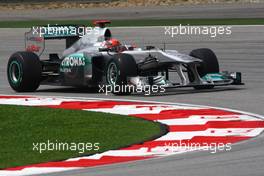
(20, 127)
(140, 22)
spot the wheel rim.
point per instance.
(15, 72)
(112, 74)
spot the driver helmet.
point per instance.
(112, 43)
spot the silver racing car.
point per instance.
(96, 59)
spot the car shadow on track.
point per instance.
(69, 90)
(175, 91)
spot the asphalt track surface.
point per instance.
(241, 51)
(253, 10)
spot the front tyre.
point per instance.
(209, 65)
(24, 71)
(117, 72)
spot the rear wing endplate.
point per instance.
(35, 38)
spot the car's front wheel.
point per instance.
(209, 65)
(24, 71)
(118, 71)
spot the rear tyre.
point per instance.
(209, 65)
(117, 72)
(24, 71)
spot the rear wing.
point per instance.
(35, 38)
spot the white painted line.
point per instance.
(248, 132)
(201, 120)
(140, 109)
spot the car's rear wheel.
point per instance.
(209, 65)
(117, 72)
(24, 71)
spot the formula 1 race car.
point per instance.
(96, 59)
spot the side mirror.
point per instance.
(150, 47)
(104, 49)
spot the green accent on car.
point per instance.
(214, 77)
(75, 60)
(15, 77)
